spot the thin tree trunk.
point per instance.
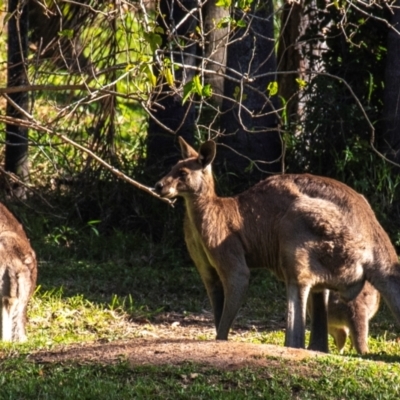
(215, 49)
(253, 133)
(16, 151)
(391, 112)
(168, 110)
(289, 57)
(299, 51)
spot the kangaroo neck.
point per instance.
(204, 206)
(200, 206)
(209, 213)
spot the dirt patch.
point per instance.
(226, 355)
(173, 339)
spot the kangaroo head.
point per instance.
(191, 175)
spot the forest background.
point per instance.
(98, 91)
(93, 96)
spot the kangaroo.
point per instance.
(352, 318)
(312, 232)
(18, 272)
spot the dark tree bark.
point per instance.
(178, 119)
(251, 130)
(289, 57)
(16, 151)
(391, 112)
(215, 49)
(300, 50)
(48, 22)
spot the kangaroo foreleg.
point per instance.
(235, 280)
(215, 292)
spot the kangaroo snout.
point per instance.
(165, 190)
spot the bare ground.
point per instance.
(173, 340)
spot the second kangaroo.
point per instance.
(314, 233)
(352, 318)
(18, 271)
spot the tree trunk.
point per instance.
(300, 50)
(170, 118)
(250, 121)
(391, 111)
(289, 57)
(215, 48)
(16, 151)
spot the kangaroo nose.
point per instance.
(158, 187)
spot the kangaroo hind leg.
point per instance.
(318, 306)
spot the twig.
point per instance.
(33, 124)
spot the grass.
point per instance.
(329, 378)
(90, 296)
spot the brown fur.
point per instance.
(18, 271)
(314, 233)
(352, 318)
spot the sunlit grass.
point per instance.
(55, 319)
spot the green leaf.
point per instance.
(198, 87)
(223, 3)
(207, 91)
(224, 22)
(187, 91)
(245, 5)
(241, 23)
(169, 77)
(150, 76)
(67, 33)
(237, 95)
(302, 83)
(272, 88)
(153, 39)
(195, 87)
(7, 17)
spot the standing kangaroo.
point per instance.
(18, 271)
(352, 318)
(314, 233)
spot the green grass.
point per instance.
(98, 289)
(328, 378)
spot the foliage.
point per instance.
(334, 119)
(97, 72)
(335, 123)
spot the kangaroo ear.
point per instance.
(186, 150)
(207, 153)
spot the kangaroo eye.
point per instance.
(182, 173)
